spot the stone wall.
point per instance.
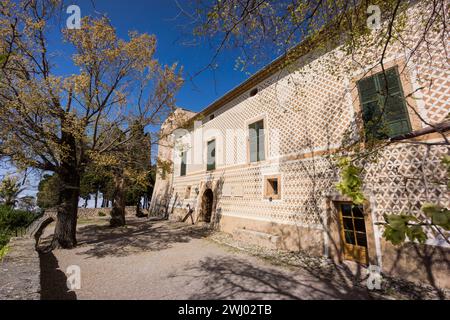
(20, 271)
(86, 213)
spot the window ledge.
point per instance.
(439, 127)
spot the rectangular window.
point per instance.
(272, 188)
(383, 105)
(256, 141)
(211, 156)
(183, 163)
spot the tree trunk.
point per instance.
(118, 209)
(69, 176)
(96, 199)
(138, 208)
(66, 222)
(145, 204)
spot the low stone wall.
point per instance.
(86, 213)
(95, 212)
(20, 271)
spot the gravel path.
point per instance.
(165, 260)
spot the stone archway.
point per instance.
(207, 205)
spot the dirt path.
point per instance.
(163, 260)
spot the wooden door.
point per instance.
(353, 231)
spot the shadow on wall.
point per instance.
(422, 263)
(412, 262)
(234, 278)
(53, 280)
(196, 213)
(160, 204)
(339, 277)
(217, 210)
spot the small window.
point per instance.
(384, 112)
(211, 156)
(187, 194)
(254, 92)
(183, 163)
(256, 141)
(211, 117)
(272, 188)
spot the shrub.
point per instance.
(12, 221)
(3, 252)
(15, 219)
(101, 214)
(4, 238)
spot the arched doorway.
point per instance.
(207, 205)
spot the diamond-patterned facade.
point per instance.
(307, 111)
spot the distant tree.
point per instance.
(93, 181)
(49, 189)
(131, 173)
(149, 190)
(27, 203)
(10, 188)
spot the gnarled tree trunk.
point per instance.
(66, 222)
(118, 209)
(69, 176)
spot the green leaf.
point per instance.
(351, 183)
(440, 218)
(397, 223)
(430, 209)
(395, 236)
(416, 233)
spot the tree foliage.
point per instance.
(62, 124)
(49, 189)
(10, 188)
(11, 222)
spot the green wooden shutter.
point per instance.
(395, 109)
(384, 113)
(183, 163)
(211, 156)
(371, 112)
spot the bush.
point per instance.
(4, 238)
(101, 214)
(13, 221)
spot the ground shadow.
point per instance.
(53, 280)
(137, 236)
(234, 278)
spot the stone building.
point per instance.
(258, 163)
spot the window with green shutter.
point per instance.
(256, 141)
(211, 156)
(183, 163)
(383, 105)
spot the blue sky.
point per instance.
(175, 44)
